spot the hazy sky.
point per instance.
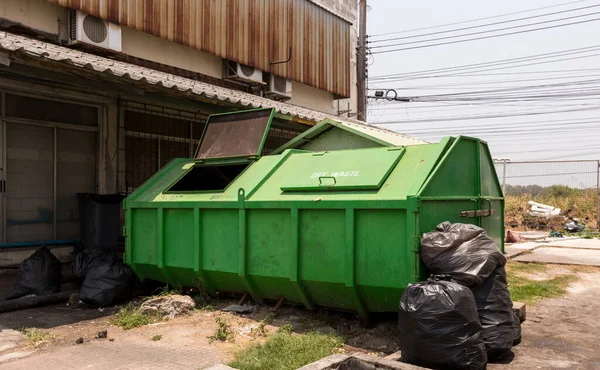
(567, 135)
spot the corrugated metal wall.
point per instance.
(251, 32)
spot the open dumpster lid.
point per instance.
(238, 134)
(366, 170)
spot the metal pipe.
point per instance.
(29, 302)
(55, 179)
(361, 62)
(597, 195)
(35, 244)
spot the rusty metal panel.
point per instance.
(251, 32)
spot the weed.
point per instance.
(130, 317)
(286, 329)
(283, 351)
(261, 330)
(36, 336)
(199, 294)
(157, 338)
(223, 333)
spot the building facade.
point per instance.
(96, 96)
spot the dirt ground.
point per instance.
(561, 333)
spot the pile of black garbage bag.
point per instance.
(462, 316)
(105, 279)
(39, 274)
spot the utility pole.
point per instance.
(361, 62)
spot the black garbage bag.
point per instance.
(517, 328)
(84, 260)
(108, 281)
(463, 251)
(495, 314)
(39, 274)
(439, 326)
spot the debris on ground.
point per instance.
(512, 237)
(168, 306)
(239, 309)
(102, 334)
(371, 343)
(543, 210)
(79, 341)
(574, 226)
(39, 274)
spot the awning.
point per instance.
(46, 51)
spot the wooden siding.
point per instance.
(251, 32)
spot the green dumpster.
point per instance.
(337, 229)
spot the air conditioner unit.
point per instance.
(237, 72)
(279, 88)
(88, 29)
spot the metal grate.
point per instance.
(154, 137)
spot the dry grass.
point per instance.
(582, 205)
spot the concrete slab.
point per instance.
(520, 309)
(14, 355)
(576, 243)
(513, 250)
(558, 255)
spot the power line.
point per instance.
(487, 37)
(462, 84)
(529, 58)
(487, 25)
(484, 116)
(478, 19)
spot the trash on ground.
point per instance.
(102, 334)
(494, 307)
(439, 326)
(239, 309)
(107, 281)
(39, 274)
(79, 341)
(463, 251)
(512, 237)
(574, 226)
(543, 210)
(169, 305)
(555, 234)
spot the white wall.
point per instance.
(37, 14)
(149, 47)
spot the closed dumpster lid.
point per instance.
(335, 170)
(231, 135)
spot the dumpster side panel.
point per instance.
(144, 224)
(492, 190)
(219, 244)
(269, 253)
(382, 267)
(322, 257)
(458, 173)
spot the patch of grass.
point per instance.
(223, 333)
(283, 351)
(527, 268)
(531, 291)
(130, 317)
(157, 338)
(36, 336)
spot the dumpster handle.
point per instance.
(326, 177)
